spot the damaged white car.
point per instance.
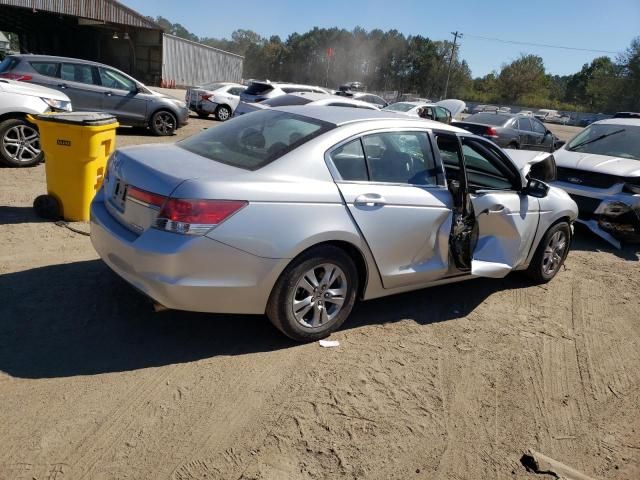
(600, 169)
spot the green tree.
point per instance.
(523, 81)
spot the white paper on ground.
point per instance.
(329, 343)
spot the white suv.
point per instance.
(19, 139)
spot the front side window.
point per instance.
(253, 141)
(49, 69)
(538, 127)
(401, 157)
(485, 169)
(350, 162)
(113, 79)
(73, 72)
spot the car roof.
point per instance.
(53, 58)
(341, 116)
(620, 121)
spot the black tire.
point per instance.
(47, 207)
(202, 114)
(19, 143)
(163, 123)
(223, 113)
(281, 302)
(538, 269)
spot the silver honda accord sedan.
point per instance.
(297, 212)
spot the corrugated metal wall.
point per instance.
(186, 63)
(105, 10)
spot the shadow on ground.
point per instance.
(587, 241)
(15, 215)
(81, 319)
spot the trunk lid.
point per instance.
(475, 128)
(156, 169)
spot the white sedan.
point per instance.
(443, 111)
(220, 99)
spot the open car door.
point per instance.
(506, 217)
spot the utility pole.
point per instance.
(455, 34)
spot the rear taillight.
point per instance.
(491, 132)
(145, 197)
(206, 96)
(195, 217)
(16, 76)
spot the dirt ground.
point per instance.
(453, 382)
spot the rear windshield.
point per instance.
(253, 141)
(8, 64)
(214, 86)
(255, 88)
(400, 107)
(488, 118)
(285, 100)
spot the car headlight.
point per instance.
(632, 185)
(61, 105)
(179, 103)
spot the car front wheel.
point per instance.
(19, 143)
(314, 295)
(551, 253)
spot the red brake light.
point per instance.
(206, 96)
(196, 217)
(146, 197)
(491, 132)
(16, 76)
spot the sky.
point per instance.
(588, 24)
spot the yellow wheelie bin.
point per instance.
(76, 147)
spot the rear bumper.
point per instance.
(184, 272)
(611, 211)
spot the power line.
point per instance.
(493, 39)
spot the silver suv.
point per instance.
(97, 87)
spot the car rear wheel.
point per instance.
(314, 295)
(163, 123)
(551, 253)
(19, 143)
(223, 113)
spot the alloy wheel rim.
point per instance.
(165, 123)
(22, 143)
(554, 253)
(319, 295)
(223, 114)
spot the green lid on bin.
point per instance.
(78, 118)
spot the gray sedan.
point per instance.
(511, 130)
(296, 212)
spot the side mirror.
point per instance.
(536, 188)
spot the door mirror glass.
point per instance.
(537, 188)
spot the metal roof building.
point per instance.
(109, 32)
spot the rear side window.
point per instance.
(253, 141)
(537, 126)
(74, 72)
(401, 157)
(524, 124)
(8, 64)
(236, 90)
(350, 162)
(49, 69)
(258, 89)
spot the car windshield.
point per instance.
(608, 139)
(253, 141)
(488, 119)
(400, 107)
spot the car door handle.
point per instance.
(62, 85)
(108, 94)
(369, 200)
(496, 209)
